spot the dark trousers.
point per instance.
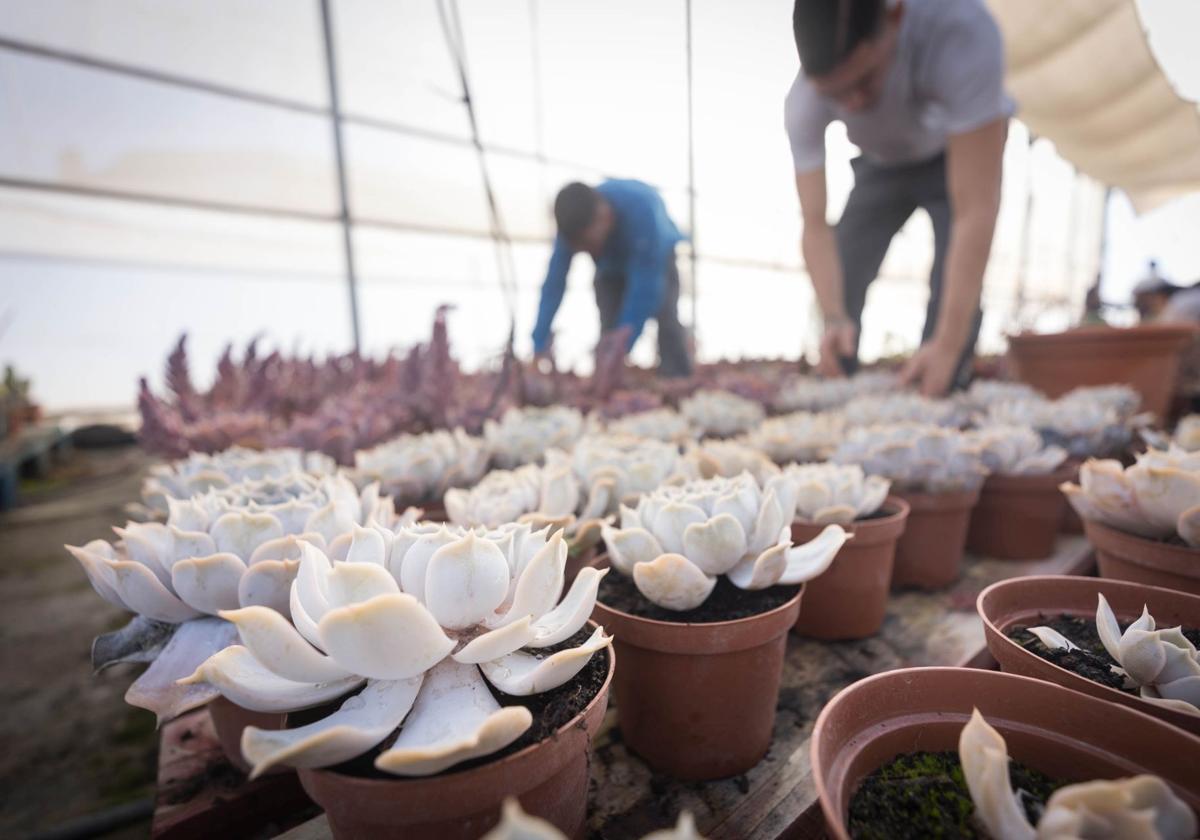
(880, 203)
(673, 359)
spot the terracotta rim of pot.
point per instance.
(1143, 551)
(867, 532)
(1022, 600)
(920, 502)
(1052, 343)
(856, 734)
(707, 637)
(495, 774)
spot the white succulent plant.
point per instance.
(798, 437)
(1156, 497)
(423, 617)
(619, 468)
(915, 457)
(218, 551)
(681, 538)
(663, 424)
(1135, 808)
(530, 493)
(1187, 433)
(983, 393)
(1122, 399)
(1083, 424)
(523, 435)
(728, 458)
(515, 824)
(720, 413)
(1016, 450)
(876, 409)
(811, 393)
(201, 471)
(835, 493)
(420, 468)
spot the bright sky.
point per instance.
(96, 291)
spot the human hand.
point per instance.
(931, 369)
(839, 341)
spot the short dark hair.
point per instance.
(828, 30)
(574, 208)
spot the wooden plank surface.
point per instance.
(776, 799)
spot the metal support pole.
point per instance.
(691, 168)
(340, 158)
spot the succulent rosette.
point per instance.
(915, 457)
(811, 393)
(798, 437)
(1156, 497)
(1016, 450)
(663, 424)
(200, 472)
(681, 538)
(983, 393)
(1087, 422)
(419, 619)
(221, 550)
(420, 468)
(728, 458)
(1132, 808)
(720, 413)
(541, 495)
(835, 493)
(523, 435)
(880, 409)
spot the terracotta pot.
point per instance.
(578, 563)
(229, 719)
(697, 701)
(1145, 357)
(550, 778)
(1024, 600)
(849, 601)
(1066, 735)
(930, 551)
(1123, 556)
(1018, 516)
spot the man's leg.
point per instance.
(673, 358)
(877, 208)
(610, 291)
(930, 190)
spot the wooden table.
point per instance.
(776, 798)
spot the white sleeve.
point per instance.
(806, 117)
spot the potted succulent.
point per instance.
(1143, 520)
(221, 550)
(938, 472)
(523, 435)
(1087, 422)
(798, 437)
(419, 469)
(708, 585)
(897, 755)
(728, 459)
(811, 393)
(1050, 628)
(849, 599)
(466, 675)
(902, 407)
(720, 414)
(1020, 507)
(663, 424)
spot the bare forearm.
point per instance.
(966, 261)
(824, 268)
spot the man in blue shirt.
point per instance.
(624, 226)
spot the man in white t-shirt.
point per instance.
(919, 85)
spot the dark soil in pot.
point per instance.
(1092, 660)
(923, 794)
(726, 603)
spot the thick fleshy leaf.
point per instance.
(672, 582)
(515, 824)
(834, 515)
(151, 545)
(363, 721)
(145, 594)
(1107, 628)
(157, 688)
(540, 585)
(301, 619)
(668, 524)
(715, 546)
(565, 620)
(285, 548)
(187, 515)
(368, 546)
(813, 558)
(390, 637)
(241, 533)
(268, 583)
(186, 544)
(984, 757)
(414, 561)
(600, 498)
(243, 680)
(96, 559)
(522, 674)
(210, 584)
(354, 583)
(1122, 809)
(330, 521)
(1188, 526)
(454, 719)
(1052, 639)
(629, 546)
(141, 640)
(767, 569)
(312, 581)
(771, 519)
(499, 642)
(466, 581)
(274, 642)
